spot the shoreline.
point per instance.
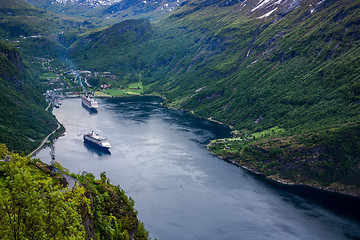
(339, 202)
(286, 183)
(278, 181)
(129, 95)
(44, 141)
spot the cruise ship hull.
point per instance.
(97, 146)
(89, 103)
(93, 109)
(95, 140)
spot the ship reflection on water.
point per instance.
(98, 151)
(91, 111)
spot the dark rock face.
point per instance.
(12, 66)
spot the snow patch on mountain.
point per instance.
(268, 13)
(261, 4)
(266, 3)
(88, 2)
(316, 6)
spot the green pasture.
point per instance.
(48, 75)
(133, 89)
(268, 132)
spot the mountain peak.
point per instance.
(109, 11)
(91, 3)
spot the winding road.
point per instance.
(43, 142)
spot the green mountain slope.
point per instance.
(45, 206)
(23, 119)
(36, 32)
(109, 12)
(268, 70)
(254, 65)
(19, 18)
(297, 71)
(114, 48)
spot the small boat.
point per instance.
(56, 104)
(97, 141)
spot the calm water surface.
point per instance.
(181, 191)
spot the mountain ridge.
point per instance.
(23, 120)
(274, 50)
(106, 12)
(255, 68)
(255, 65)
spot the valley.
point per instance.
(284, 75)
(253, 72)
(248, 65)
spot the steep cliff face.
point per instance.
(23, 120)
(104, 210)
(12, 66)
(282, 60)
(120, 39)
(256, 65)
(113, 214)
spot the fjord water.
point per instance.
(181, 191)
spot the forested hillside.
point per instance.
(296, 68)
(284, 74)
(19, 18)
(36, 203)
(27, 34)
(23, 119)
(256, 65)
(290, 65)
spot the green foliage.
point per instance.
(32, 207)
(328, 158)
(274, 131)
(42, 46)
(114, 213)
(23, 120)
(113, 44)
(21, 19)
(131, 89)
(3, 151)
(48, 75)
(300, 74)
(36, 206)
(296, 70)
